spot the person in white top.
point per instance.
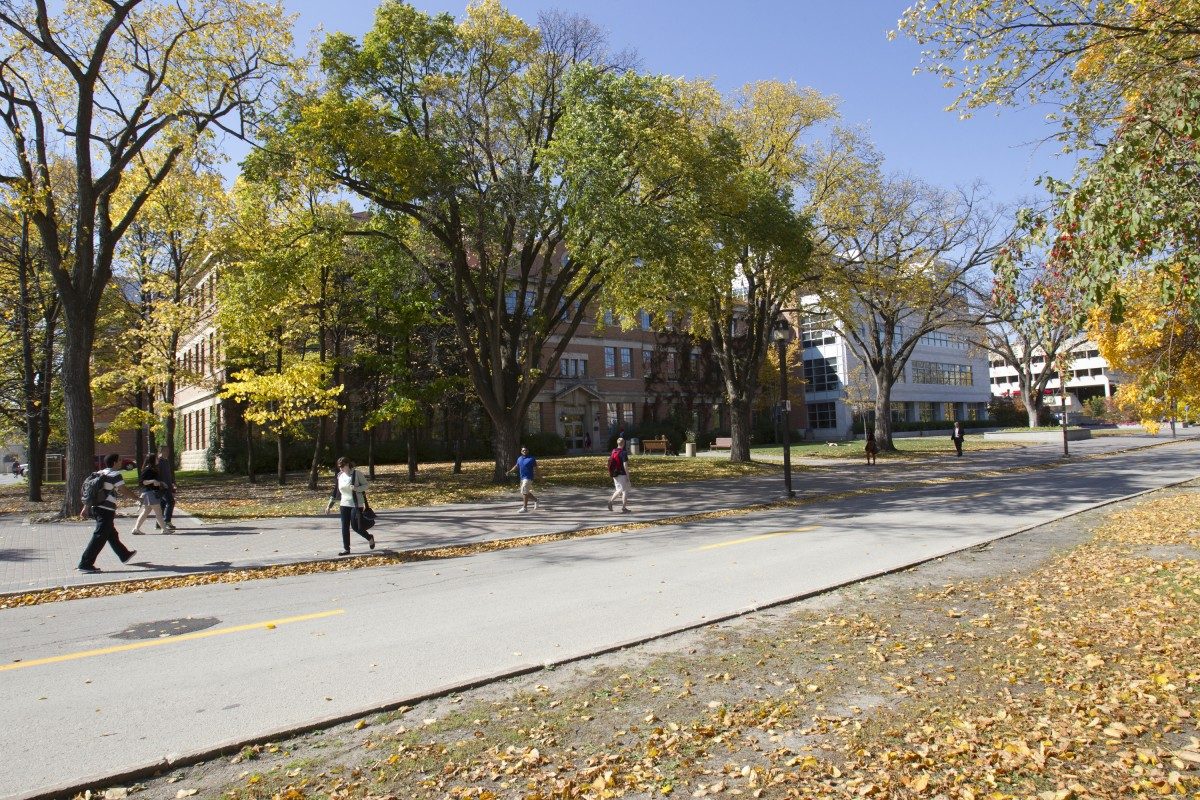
(349, 493)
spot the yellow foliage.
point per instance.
(1154, 343)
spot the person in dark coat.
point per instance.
(957, 437)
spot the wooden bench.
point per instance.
(659, 445)
(723, 443)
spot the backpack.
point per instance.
(93, 488)
(615, 467)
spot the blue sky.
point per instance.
(838, 48)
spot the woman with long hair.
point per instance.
(151, 488)
(350, 494)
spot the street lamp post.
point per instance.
(781, 333)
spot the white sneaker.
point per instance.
(522, 510)
(535, 505)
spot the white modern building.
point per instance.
(945, 379)
(1090, 374)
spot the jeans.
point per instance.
(105, 532)
(167, 498)
(350, 520)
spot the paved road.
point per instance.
(93, 701)
(44, 556)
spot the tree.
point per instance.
(1136, 206)
(452, 128)
(1156, 342)
(732, 248)
(33, 329)
(127, 88)
(1026, 314)
(905, 249)
(285, 292)
(1090, 58)
(283, 401)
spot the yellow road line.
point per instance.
(759, 537)
(184, 637)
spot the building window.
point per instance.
(942, 339)
(647, 362)
(608, 317)
(610, 362)
(533, 418)
(627, 414)
(614, 420)
(924, 411)
(572, 368)
(510, 301)
(644, 320)
(950, 411)
(671, 366)
(822, 415)
(626, 354)
(821, 374)
(933, 372)
(816, 331)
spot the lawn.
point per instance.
(221, 496)
(915, 446)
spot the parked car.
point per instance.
(127, 462)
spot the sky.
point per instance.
(838, 48)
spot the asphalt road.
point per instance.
(101, 686)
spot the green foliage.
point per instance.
(281, 401)
(545, 444)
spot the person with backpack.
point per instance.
(618, 470)
(350, 494)
(100, 492)
(526, 468)
(150, 482)
(166, 477)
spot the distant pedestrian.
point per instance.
(526, 468)
(102, 506)
(871, 448)
(350, 494)
(166, 475)
(618, 469)
(16, 469)
(957, 437)
(151, 488)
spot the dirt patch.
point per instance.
(1056, 664)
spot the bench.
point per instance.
(723, 443)
(659, 445)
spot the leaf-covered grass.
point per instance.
(221, 496)
(907, 446)
(1072, 677)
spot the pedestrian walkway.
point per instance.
(40, 556)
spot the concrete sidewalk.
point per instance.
(45, 555)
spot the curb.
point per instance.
(152, 769)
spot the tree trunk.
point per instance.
(739, 429)
(139, 439)
(280, 471)
(371, 454)
(883, 413)
(77, 398)
(250, 453)
(1031, 410)
(459, 435)
(316, 459)
(506, 440)
(410, 435)
(33, 414)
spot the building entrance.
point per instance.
(573, 430)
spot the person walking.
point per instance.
(350, 494)
(526, 468)
(618, 469)
(871, 448)
(956, 436)
(151, 487)
(104, 512)
(166, 476)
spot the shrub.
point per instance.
(545, 444)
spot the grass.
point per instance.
(222, 496)
(908, 446)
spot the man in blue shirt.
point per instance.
(526, 468)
